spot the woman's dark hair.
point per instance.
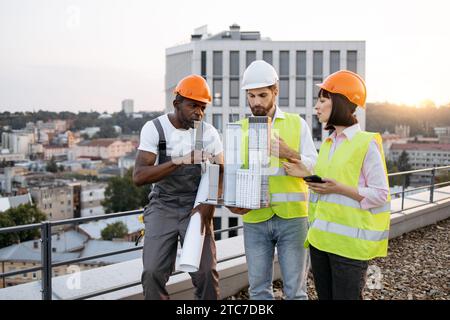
(341, 112)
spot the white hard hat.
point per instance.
(259, 74)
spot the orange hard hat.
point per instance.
(347, 83)
(194, 87)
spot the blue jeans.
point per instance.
(287, 236)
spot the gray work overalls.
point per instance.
(166, 218)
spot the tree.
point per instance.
(106, 132)
(403, 165)
(4, 163)
(395, 180)
(6, 239)
(116, 230)
(122, 195)
(23, 214)
(52, 166)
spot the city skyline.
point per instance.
(83, 55)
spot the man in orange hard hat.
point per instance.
(166, 157)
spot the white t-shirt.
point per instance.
(178, 141)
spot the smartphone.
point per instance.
(314, 178)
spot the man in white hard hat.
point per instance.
(284, 224)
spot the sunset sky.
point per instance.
(92, 54)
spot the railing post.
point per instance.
(403, 191)
(433, 174)
(46, 253)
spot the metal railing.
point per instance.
(47, 264)
(431, 186)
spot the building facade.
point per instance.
(128, 106)
(105, 149)
(56, 200)
(92, 196)
(222, 59)
(420, 156)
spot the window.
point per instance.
(318, 64)
(234, 92)
(217, 92)
(335, 61)
(217, 226)
(284, 92)
(233, 117)
(352, 61)
(217, 78)
(250, 56)
(217, 121)
(217, 63)
(203, 64)
(232, 222)
(300, 69)
(300, 82)
(234, 78)
(316, 129)
(317, 73)
(234, 63)
(284, 78)
(316, 89)
(268, 56)
(300, 89)
(284, 63)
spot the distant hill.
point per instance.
(384, 116)
(78, 121)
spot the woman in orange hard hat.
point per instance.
(349, 201)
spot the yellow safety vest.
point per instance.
(339, 225)
(288, 194)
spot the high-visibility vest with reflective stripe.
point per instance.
(288, 195)
(339, 225)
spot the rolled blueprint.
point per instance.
(191, 252)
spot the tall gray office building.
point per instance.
(222, 58)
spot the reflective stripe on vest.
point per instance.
(346, 201)
(285, 197)
(273, 171)
(356, 233)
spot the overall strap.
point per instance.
(162, 141)
(199, 137)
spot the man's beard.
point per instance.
(260, 111)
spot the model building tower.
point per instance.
(251, 187)
(233, 161)
(259, 155)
